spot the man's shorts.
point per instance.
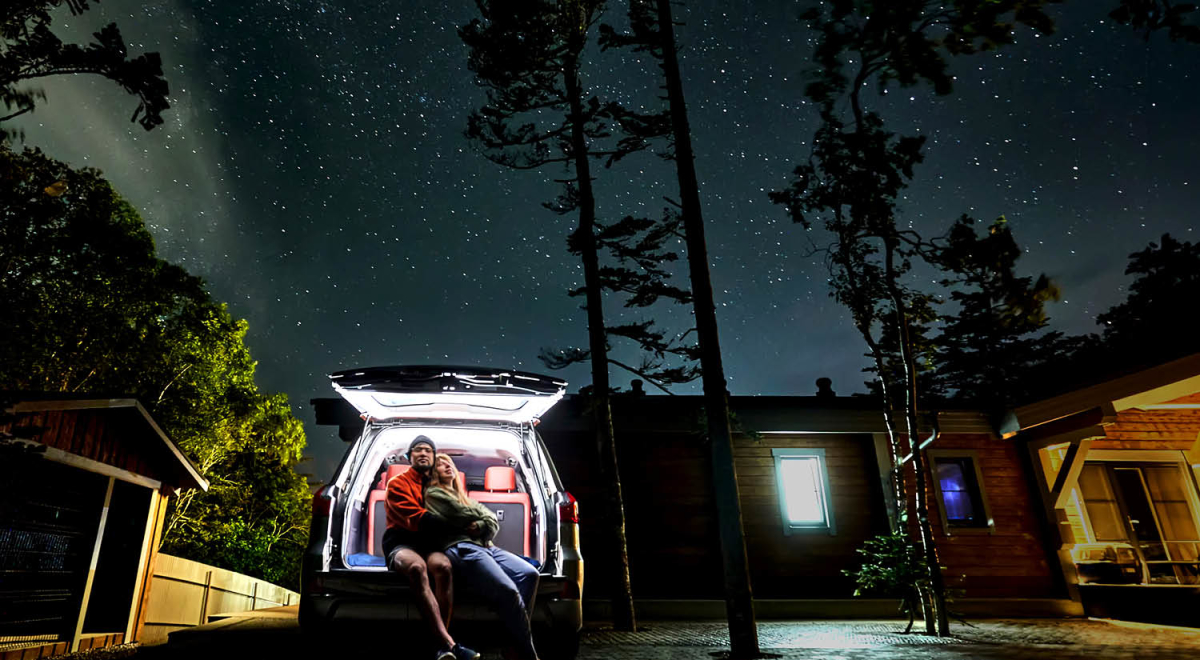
(391, 556)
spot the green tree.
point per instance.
(29, 50)
(91, 308)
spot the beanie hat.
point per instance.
(421, 440)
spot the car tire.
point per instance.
(557, 643)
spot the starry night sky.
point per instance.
(313, 170)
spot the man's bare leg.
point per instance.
(410, 564)
(443, 584)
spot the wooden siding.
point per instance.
(1010, 560)
(674, 548)
(112, 437)
(808, 564)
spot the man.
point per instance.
(406, 546)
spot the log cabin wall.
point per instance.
(674, 549)
(1010, 559)
(669, 526)
(809, 564)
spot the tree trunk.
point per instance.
(739, 603)
(900, 500)
(622, 601)
(939, 623)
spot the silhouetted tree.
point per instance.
(652, 31)
(1153, 325)
(638, 270)
(857, 169)
(1150, 15)
(1158, 319)
(29, 50)
(996, 335)
(530, 56)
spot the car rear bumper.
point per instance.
(337, 596)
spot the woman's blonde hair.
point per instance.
(457, 487)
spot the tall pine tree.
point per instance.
(530, 57)
(995, 336)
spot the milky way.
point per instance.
(313, 170)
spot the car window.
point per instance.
(553, 483)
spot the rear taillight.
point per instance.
(322, 503)
(569, 511)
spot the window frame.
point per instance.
(779, 455)
(972, 455)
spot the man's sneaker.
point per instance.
(445, 654)
(463, 653)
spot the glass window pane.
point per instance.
(1165, 483)
(1106, 521)
(802, 485)
(1101, 504)
(1093, 483)
(1175, 519)
(961, 498)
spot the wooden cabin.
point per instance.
(1084, 503)
(813, 478)
(83, 495)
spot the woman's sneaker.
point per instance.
(445, 654)
(463, 653)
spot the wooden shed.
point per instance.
(83, 494)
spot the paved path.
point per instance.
(251, 638)
(863, 640)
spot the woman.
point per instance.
(507, 581)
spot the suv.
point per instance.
(485, 419)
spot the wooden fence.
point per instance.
(184, 593)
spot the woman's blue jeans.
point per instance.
(507, 582)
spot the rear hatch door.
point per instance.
(448, 393)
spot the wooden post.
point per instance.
(160, 516)
(204, 603)
(140, 580)
(87, 588)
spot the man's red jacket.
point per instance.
(405, 502)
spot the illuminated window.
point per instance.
(959, 486)
(803, 483)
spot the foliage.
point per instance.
(995, 336)
(1157, 318)
(537, 114)
(90, 308)
(1150, 15)
(1154, 324)
(639, 271)
(29, 50)
(891, 569)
